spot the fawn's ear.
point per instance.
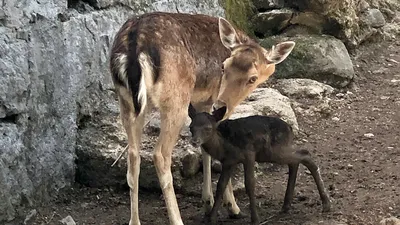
(227, 34)
(219, 113)
(192, 111)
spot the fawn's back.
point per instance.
(262, 134)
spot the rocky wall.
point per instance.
(55, 88)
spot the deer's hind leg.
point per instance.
(133, 126)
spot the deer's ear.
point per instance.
(219, 113)
(279, 52)
(228, 35)
(192, 111)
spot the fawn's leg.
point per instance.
(221, 186)
(133, 127)
(250, 188)
(207, 194)
(171, 124)
(309, 163)
(230, 202)
(290, 186)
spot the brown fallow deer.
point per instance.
(168, 60)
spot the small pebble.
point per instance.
(390, 208)
(369, 135)
(390, 148)
(349, 166)
(339, 95)
(385, 97)
(335, 118)
(68, 221)
(393, 61)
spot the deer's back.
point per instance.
(190, 42)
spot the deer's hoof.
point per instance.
(240, 215)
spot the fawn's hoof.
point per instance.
(285, 209)
(207, 206)
(326, 207)
(240, 215)
(210, 220)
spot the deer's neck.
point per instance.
(215, 146)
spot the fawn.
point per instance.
(248, 140)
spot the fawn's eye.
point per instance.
(253, 79)
(207, 129)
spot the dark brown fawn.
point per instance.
(248, 140)
(167, 60)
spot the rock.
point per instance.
(267, 101)
(29, 217)
(263, 5)
(272, 22)
(316, 23)
(390, 221)
(369, 135)
(57, 104)
(373, 18)
(303, 88)
(326, 222)
(191, 162)
(321, 58)
(68, 221)
(353, 22)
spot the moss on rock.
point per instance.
(239, 13)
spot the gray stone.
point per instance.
(322, 58)
(263, 5)
(68, 221)
(210, 7)
(390, 221)
(191, 162)
(272, 22)
(303, 88)
(373, 18)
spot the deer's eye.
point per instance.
(222, 69)
(253, 79)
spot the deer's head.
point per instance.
(248, 66)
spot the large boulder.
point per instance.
(322, 58)
(56, 95)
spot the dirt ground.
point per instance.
(361, 173)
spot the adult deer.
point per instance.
(167, 60)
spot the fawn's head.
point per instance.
(204, 125)
(248, 66)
